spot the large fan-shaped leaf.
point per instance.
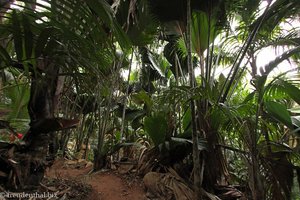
(156, 127)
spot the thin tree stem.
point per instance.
(196, 153)
(126, 96)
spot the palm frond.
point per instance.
(286, 38)
(279, 11)
(273, 64)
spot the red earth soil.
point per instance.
(105, 185)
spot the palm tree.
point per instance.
(257, 26)
(77, 43)
(44, 50)
(266, 32)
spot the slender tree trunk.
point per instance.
(196, 153)
(256, 183)
(126, 96)
(100, 154)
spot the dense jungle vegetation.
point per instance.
(204, 89)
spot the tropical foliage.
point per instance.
(192, 86)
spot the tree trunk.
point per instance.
(256, 183)
(99, 160)
(196, 153)
(32, 161)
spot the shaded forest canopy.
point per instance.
(201, 95)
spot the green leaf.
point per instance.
(118, 136)
(218, 117)
(143, 97)
(292, 91)
(202, 28)
(279, 112)
(131, 115)
(17, 36)
(202, 143)
(156, 127)
(104, 11)
(5, 56)
(28, 35)
(187, 120)
(156, 64)
(249, 97)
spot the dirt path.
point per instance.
(105, 185)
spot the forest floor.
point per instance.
(105, 185)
